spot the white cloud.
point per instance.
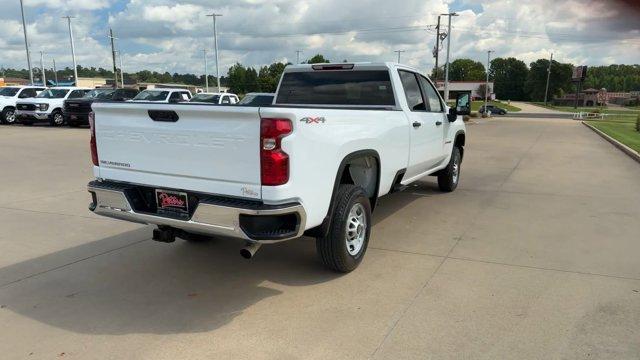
(166, 35)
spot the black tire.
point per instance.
(56, 118)
(333, 249)
(7, 114)
(449, 177)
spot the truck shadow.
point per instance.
(155, 288)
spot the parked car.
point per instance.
(215, 98)
(338, 137)
(257, 99)
(76, 111)
(493, 109)
(163, 96)
(9, 96)
(47, 106)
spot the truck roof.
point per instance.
(348, 66)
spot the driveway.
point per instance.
(534, 109)
(535, 256)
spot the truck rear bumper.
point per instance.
(214, 216)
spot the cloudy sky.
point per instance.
(169, 35)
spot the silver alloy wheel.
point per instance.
(456, 170)
(58, 119)
(10, 117)
(356, 229)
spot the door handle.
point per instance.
(416, 124)
(438, 123)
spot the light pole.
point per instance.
(44, 74)
(446, 72)
(298, 56)
(26, 43)
(73, 49)
(113, 55)
(486, 85)
(215, 45)
(206, 70)
(399, 52)
(437, 49)
(120, 56)
(55, 71)
(546, 90)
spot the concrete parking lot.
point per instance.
(535, 256)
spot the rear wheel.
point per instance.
(448, 177)
(344, 246)
(57, 119)
(8, 116)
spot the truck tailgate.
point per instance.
(212, 149)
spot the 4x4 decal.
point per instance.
(313, 120)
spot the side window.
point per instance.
(234, 99)
(431, 94)
(175, 97)
(225, 100)
(185, 96)
(27, 93)
(412, 91)
(75, 94)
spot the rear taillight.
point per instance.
(92, 142)
(274, 163)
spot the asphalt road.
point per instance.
(535, 256)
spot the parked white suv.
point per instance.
(161, 95)
(215, 98)
(337, 137)
(47, 106)
(9, 96)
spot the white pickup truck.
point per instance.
(336, 138)
(10, 95)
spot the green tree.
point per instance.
(466, 70)
(237, 74)
(559, 83)
(509, 76)
(317, 59)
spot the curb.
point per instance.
(624, 148)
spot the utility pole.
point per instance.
(113, 55)
(73, 49)
(486, 86)
(399, 52)
(55, 71)
(44, 74)
(298, 56)
(446, 72)
(546, 91)
(215, 45)
(206, 70)
(437, 51)
(26, 43)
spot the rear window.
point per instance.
(365, 88)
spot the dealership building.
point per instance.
(475, 88)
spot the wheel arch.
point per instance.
(459, 141)
(343, 174)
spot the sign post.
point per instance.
(579, 74)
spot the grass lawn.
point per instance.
(622, 129)
(475, 106)
(589, 109)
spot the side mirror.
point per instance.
(463, 104)
(452, 115)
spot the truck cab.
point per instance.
(162, 95)
(10, 95)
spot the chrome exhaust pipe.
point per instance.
(249, 251)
